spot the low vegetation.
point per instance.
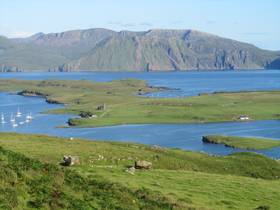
(124, 103)
(242, 142)
(30, 184)
(31, 176)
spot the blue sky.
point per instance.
(254, 21)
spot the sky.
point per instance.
(253, 21)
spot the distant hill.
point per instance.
(107, 50)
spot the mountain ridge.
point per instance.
(100, 49)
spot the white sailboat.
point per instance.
(12, 118)
(13, 121)
(14, 124)
(2, 119)
(18, 113)
(29, 116)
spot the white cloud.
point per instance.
(19, 34)
(11, 33)
(130, 24)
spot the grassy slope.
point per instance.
(30, 57)
(30, 184)
(242, 142)
(125, 107)
(187, 178)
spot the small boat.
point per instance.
(12, 118)
(29, 116)
(21, 123)
(2, 119)
(14, 125)
(18, 113)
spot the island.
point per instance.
(249, 143)
(124, 102)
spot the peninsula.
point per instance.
(123, 102)
(249, 143)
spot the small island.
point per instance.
(250, 143)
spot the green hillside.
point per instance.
(30, 184)
(31, 177)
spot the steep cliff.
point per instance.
(106, 50)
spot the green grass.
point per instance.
(189, 179)
(30, 184)
(242, 142)
(124, 106)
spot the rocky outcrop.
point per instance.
(86, 114)
(101, 107)
(275, 64)
(69, 160)
(5, 68)
(71, 122)
(206, 139)
(31, 93)
(52, 101)
(130, 170)
(142, 164)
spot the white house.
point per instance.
(244, 117)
